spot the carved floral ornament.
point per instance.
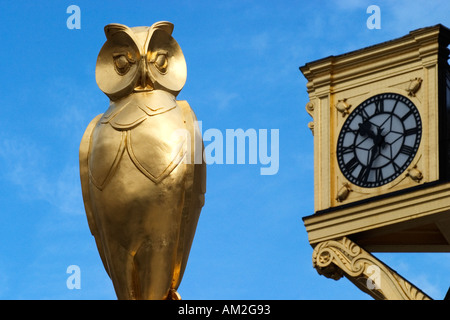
(343, 107)
(310, 109)
(337, 258)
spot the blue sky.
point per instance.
(243, 59)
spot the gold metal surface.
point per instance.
(143, 187)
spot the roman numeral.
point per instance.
(407, 150)
(364, 174)
(351, 164)
(378, 174)
(396, 166)
(379, 106)
(411, 131)
(407, 115)
(348, 149)
(395, 105)
(364, 114)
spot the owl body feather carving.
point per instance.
(143, 191)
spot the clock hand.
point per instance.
(379, 139)
(365, 130)
(373, 152)
(379, 144)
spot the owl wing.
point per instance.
(85, 147)
(195, 189)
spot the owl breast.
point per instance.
(150, 135)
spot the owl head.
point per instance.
(140, 59)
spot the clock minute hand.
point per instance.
(374, 151)
(373, 154)
(379, 143)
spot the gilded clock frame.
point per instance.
(410, 66)
(355, 162)
(404, 180)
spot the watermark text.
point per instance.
(74, 280)
(74, 20)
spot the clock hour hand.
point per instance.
(365, 129)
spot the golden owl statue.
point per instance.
(143, 177)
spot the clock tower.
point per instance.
(381, 127)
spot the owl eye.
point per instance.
(123, 62)
(160, 60)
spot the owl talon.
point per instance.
(173, 295)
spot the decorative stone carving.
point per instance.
(415, 174)
(343, 257)
(310, 109)
(343, 192)
(414, 86)
(342, 106)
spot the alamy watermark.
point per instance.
(235, 147)
(374, 21)
(74, 20)
(74, 280)
(373, 282)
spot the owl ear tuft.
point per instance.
(164, 25)
(113, 28)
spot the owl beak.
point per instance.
(144, 82)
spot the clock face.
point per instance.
(379, 140)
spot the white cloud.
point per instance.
(350, 4)
(223, 100)
(25, 165)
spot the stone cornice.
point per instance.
(416, 47)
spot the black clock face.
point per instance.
(379, 140)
